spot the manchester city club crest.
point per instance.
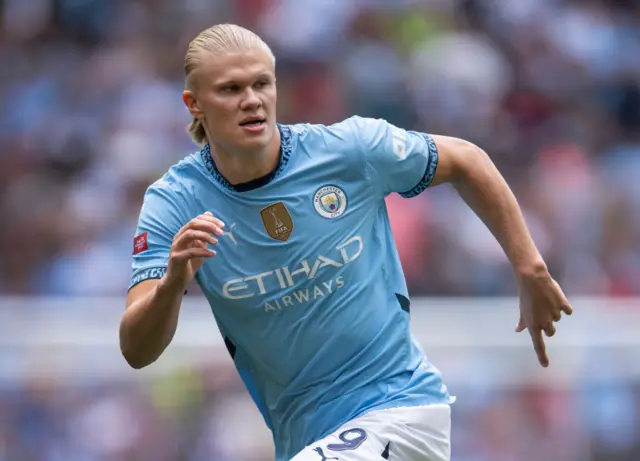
(330, 201)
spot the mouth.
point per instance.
(253, 122)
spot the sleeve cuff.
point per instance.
(430, 170)
(148, 273)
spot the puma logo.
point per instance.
(229, 234)
(321, 453)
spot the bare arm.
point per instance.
(476, 179)
(472, 173)
(150, 321)
(151, 318)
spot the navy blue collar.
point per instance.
(285, 154)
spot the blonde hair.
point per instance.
(218, 39)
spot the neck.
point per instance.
(241, 167)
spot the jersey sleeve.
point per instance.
(396, 160)
(159, 221)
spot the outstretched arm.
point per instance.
(476, 179)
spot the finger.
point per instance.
(550, 330)
(556, 316)
(567, 309)
(209, 221)
(203, 225)
(539, 346)
(198, 223)
(209, 217)
(194, 235)
(194, 252)
(182, 230)
(199, 243)
(521, 326)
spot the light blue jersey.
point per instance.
(307, 287)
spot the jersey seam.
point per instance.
(367, 175)
(178, 196)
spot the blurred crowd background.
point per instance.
(204, 414)
(91, 114)
(66, 393)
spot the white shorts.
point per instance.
(397, 434)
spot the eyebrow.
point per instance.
(234, 81)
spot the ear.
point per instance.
(192, 104)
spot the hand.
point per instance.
(190, 248)
(541, 304)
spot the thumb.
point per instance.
(208, 213)
(521, 326)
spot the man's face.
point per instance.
(235, 96)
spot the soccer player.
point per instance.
(285, 230)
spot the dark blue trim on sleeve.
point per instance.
(430, 171)
(148, 273)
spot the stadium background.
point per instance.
(91, 113)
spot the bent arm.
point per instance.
(477, 180)
(150, 321)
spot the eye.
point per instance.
(230, 89)
(262, 84)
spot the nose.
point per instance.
(251, 101)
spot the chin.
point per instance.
(256, 140)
